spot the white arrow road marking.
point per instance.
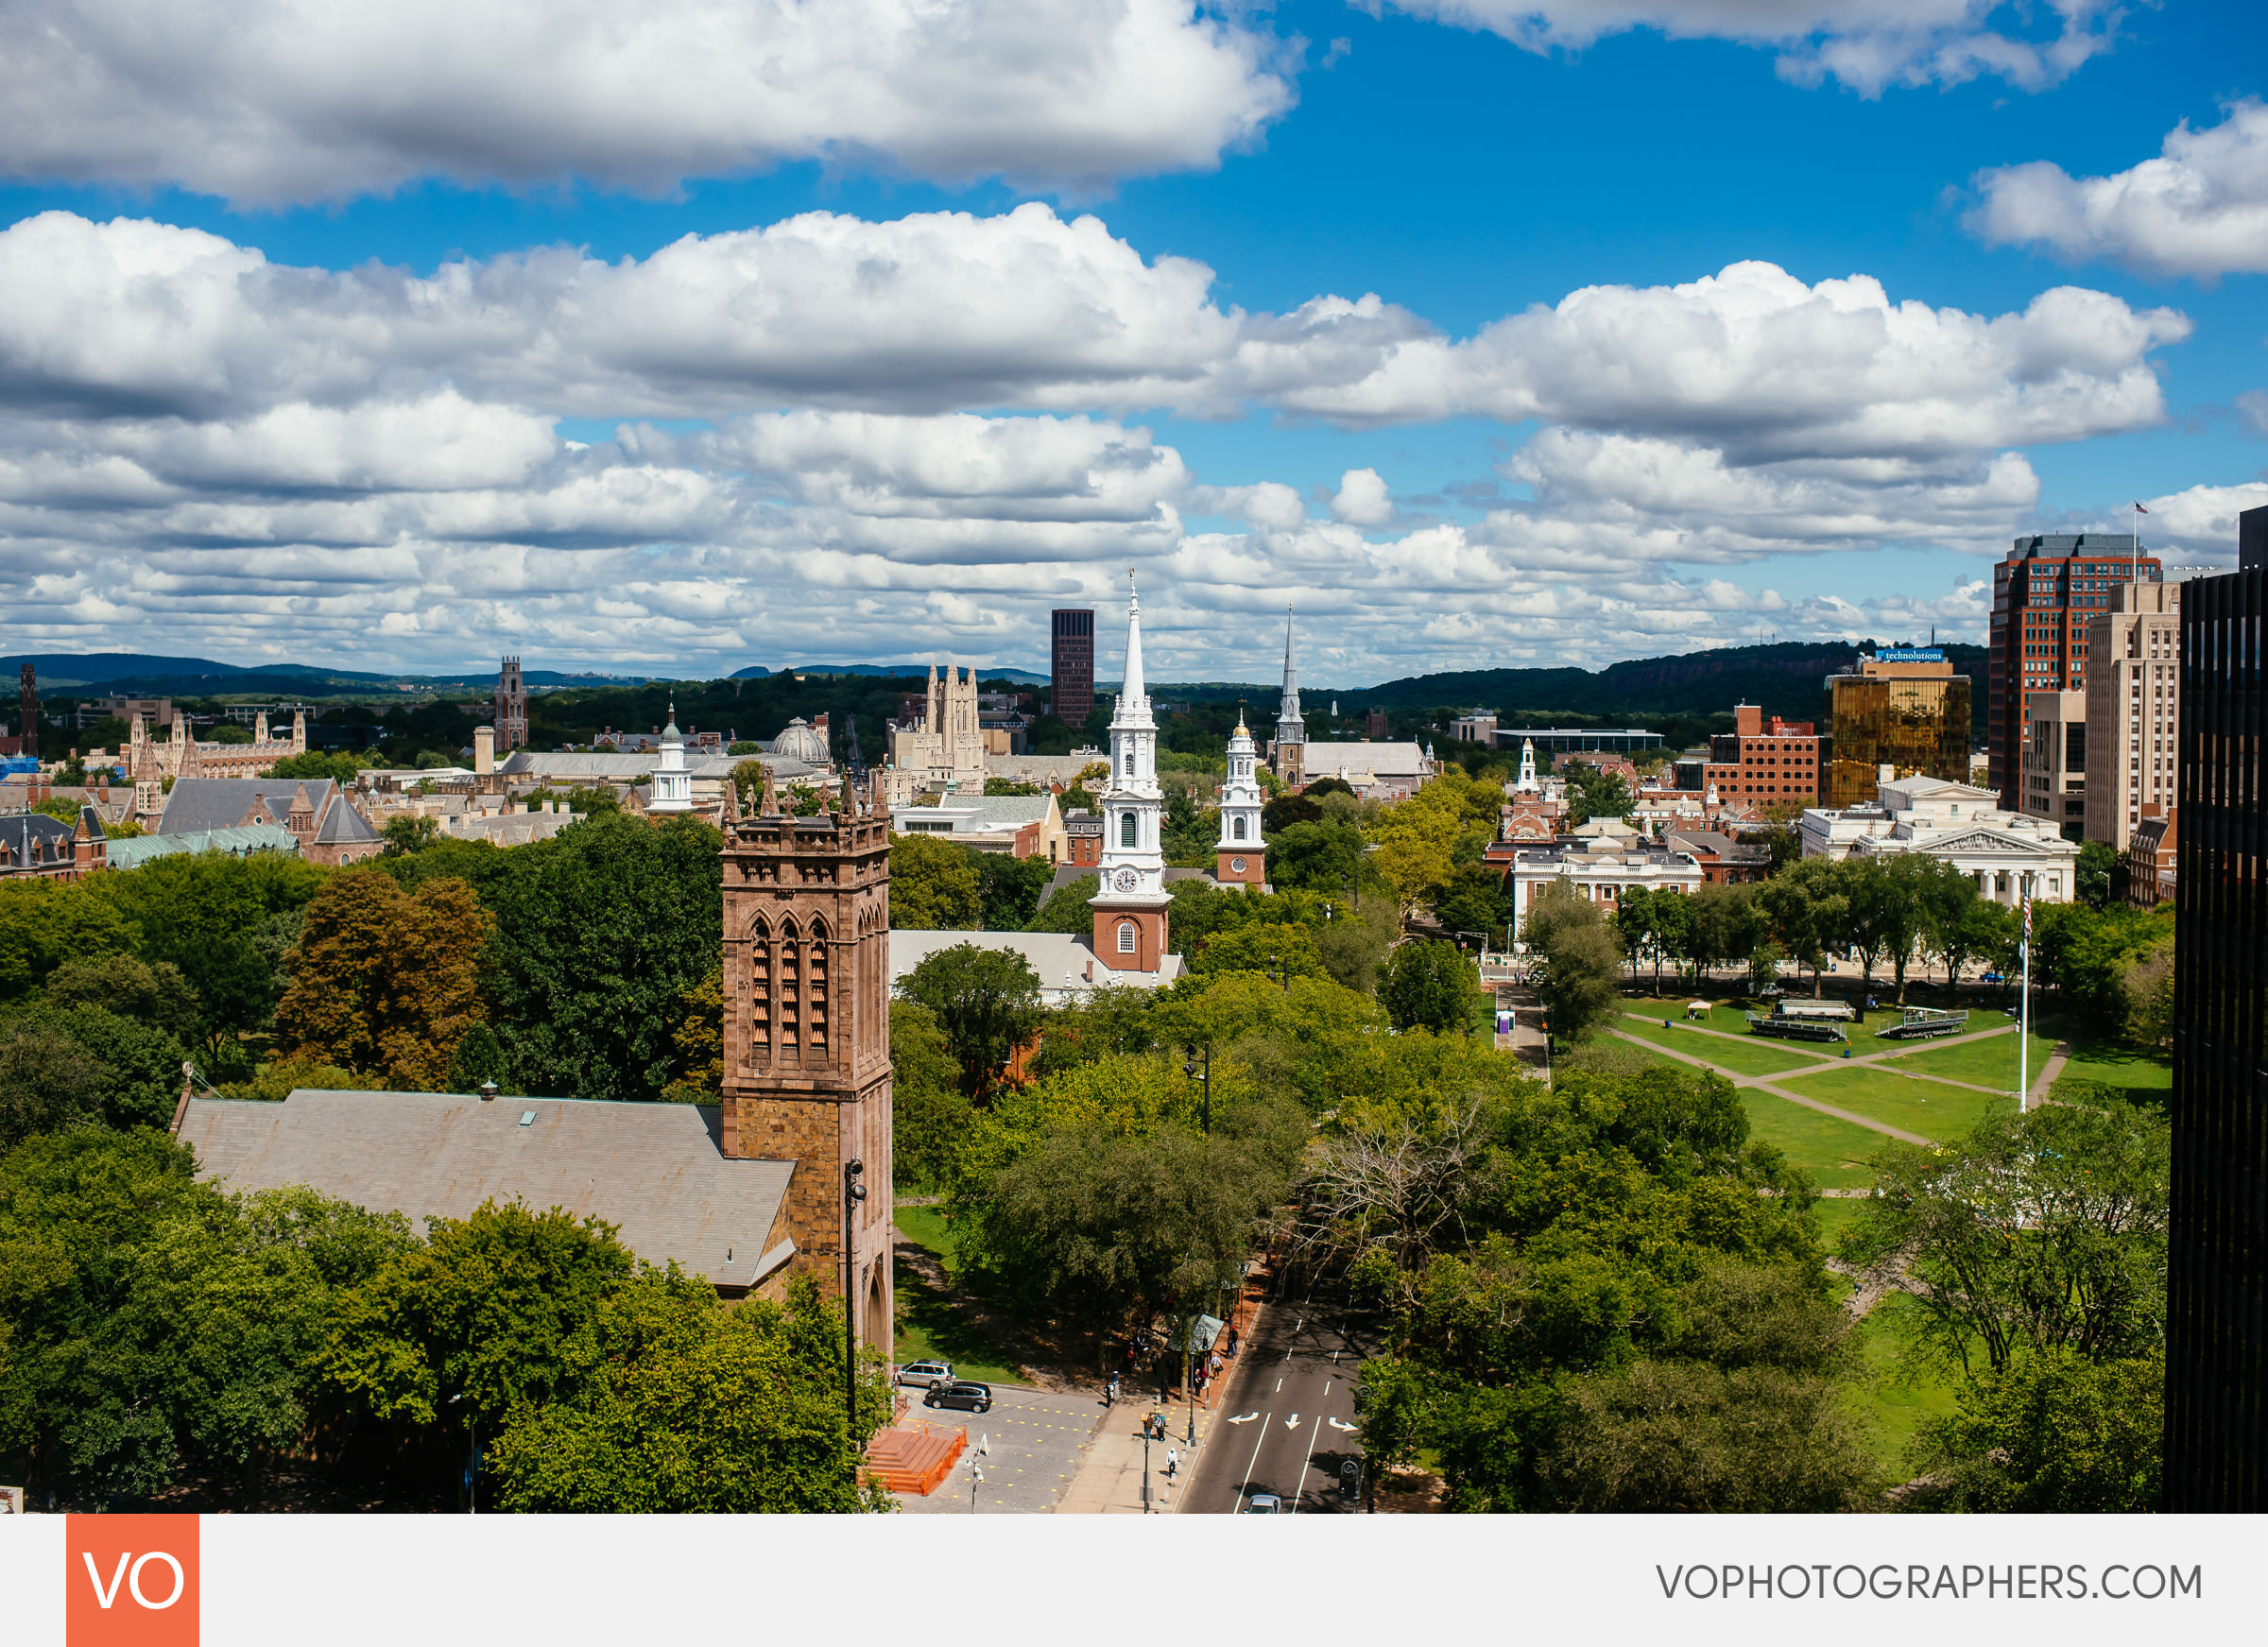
(1243, 1418)
(1339, 1423)
(1293, 1422)
(1245, 1490)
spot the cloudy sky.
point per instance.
(695, 333)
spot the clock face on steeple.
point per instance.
(1127, 880)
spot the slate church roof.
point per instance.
(655, 1171)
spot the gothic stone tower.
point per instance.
(1291, 725)
(807, 1030)
(27, 710)
(511, 706)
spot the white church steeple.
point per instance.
(1130, 903)
(1241, 857)
(671, 789)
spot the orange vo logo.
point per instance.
(130, 1581)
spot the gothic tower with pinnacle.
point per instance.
(807, 1031)
(1291, 725)
(1131, 902)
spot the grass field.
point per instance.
(1983, 1063)
(1930, 1108)
(1894, 1401)
(929, 1323)
(1744, 1056)
(2139, 1074)
(1834, 1218)
(1829, 1149)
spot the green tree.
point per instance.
(700, 1043)
(156, 1326)
(386, 981)
(2037, 1232)
(1260, 946)
(1576, 962)
(1956, 924)
(157, 995)
(137, 1068)
(489, 1316)
(2095, 873)
(699, 1408)
(2052, 1433)
(930, 1113)
(933, 885)
(48, 1083)
(1069, 909)
(1810, 908)
(1720, 924)
(985, 1003)
(408, 833)
(1592, 793)
(1430, 985)
(1102, 1229)
(600, 930)
(1009, 889)
(1316, 854)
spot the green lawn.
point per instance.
(1728, 1015)
(1894, 1401)
(1746, 1057)
(2115, 1063)
(1834, 1217)
(1930, 1108)
(1829, 1149)
(930, 1325)
(1983, 1063)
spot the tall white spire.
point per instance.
(1132, 692)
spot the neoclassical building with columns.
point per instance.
(1957, 823)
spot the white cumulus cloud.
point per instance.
(1362, 499)
(1865, 45)
(276, 101)
(2200, 207)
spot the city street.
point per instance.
(1287, 1422)
(1036, 1437)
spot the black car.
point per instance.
(960, 1393)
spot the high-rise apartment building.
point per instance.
(1902, 708)
(1072, 662)
(2216, 1447)
(2133, 710)
(2054, 760)
(2043, 595)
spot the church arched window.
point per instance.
(1236, 828)
(815, 988)
(791, 989)
(1129, 762)
(760, 989)
(1127, 937)
(1126, 828)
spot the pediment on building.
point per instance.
(1985, 841)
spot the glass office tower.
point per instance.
(1903, 707)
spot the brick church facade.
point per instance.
(807, 1031)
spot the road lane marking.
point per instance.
(1243, 1418)
(1293, 1422)
(1245, 1491)
(1279, 1386)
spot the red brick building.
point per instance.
(1773, 762)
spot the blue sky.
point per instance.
(389, 437)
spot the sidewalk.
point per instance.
(1111, 1472)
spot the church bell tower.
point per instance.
(1131, 902)
(1240, 856)
(807, 1031)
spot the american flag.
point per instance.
(2139, 510)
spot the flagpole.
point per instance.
(2023, 1031)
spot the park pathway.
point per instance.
(1764, 1084)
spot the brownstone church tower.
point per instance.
(807, 1030)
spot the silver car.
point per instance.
(1263, 1505)
(926, 1375)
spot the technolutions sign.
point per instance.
(1909, 655)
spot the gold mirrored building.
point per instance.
(1902, 708)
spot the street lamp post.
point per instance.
(1198, 1068)
(853, 1192)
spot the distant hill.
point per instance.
(1787, 679)
(147, 675)
(1021, 677)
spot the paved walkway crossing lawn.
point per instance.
(1827, 1148)
(1748, 1055)
(1983, 1063)
(1931, 1109)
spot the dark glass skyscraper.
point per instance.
(1073, 664)
(2217, 1279)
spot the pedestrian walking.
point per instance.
(1173, 1462)
(1233, 1341)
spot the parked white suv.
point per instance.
(927, 1375)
